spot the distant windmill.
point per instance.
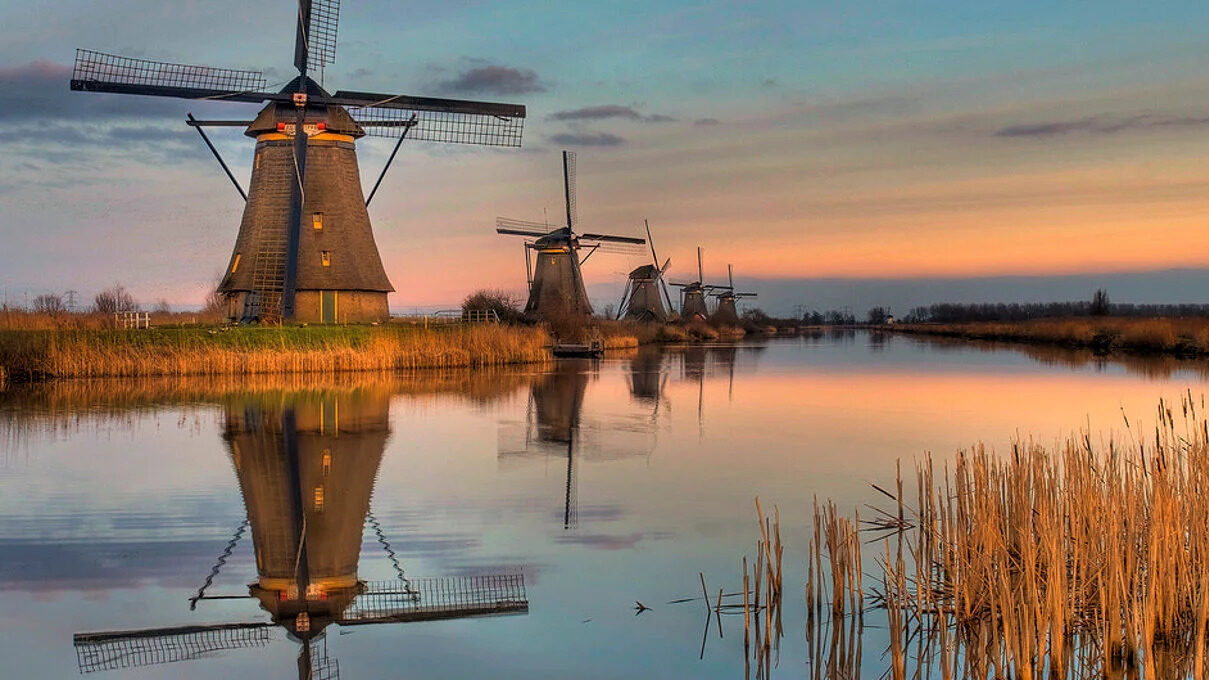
(305, 250)
(556, 284)
(692, 295)
(646, 290)
(726, 312)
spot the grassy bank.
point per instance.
(40, 354)
(1175, 336)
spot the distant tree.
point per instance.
(50, 303)
(1099, 303)
(505, 305)
(114, 299)
(608, 312)
(758, 316)
(878, 316)
(162, 307)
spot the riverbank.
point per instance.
(30, 355)
(1182, 337)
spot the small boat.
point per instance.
(593, 349)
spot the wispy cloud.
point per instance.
(705, 122)
(587, 139)
(606, 111)
(494, 79)
(1103, 125)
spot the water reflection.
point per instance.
(306, 464)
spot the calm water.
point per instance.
(598, 483)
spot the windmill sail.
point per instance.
(435, 120)
(134, 648)
(100, 72)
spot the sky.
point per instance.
(836, 154)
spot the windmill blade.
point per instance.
(609, 238)
(133, 648)
(730, 276)
(430, 599)
(569, 188)
(681, 285)
(436, 120)
(528, 228)
(666, 265)
(520, 232)
(651, 241)
(101, 72)
(321, 18)
(739, 295)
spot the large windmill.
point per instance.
(726, 312)
(692, 294)
(646, 290)
(305, 250)
(556, 284)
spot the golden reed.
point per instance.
(1083, 560)
(27, 355)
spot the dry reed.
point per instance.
(1081, 561)
(243, 351)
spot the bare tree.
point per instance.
(162, 307)
(114, 299)
(507, 307)
(50, 303)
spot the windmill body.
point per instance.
(305, 250)
(556, 284)
(644, 300)
(646, 290)
(340, 277)
(692, 295)
(558, 288)
(726, 311)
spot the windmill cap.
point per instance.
(334, 118)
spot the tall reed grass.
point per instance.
(29, 355)
(1083, 560)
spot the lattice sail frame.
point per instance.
(110, 68)
(421, 599)
(104, 652)
(440, 126)
(321, 33)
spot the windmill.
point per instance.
(556, 284)
(692, 295)
(306, 472)
(642, 299)
(305, 249)
(726, 312)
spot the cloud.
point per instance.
(605, 111)
(587, 139)
(492, 79)
(1102, 125)
(703, 122)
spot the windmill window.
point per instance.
(327, 462)
(319, 498)
(235, 263)
(317, 221)
(326, 257)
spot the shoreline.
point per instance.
(1183, 338)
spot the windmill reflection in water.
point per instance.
(555, 425)
(306, 471)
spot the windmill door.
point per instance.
(327, 306)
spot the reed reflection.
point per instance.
(306, 464)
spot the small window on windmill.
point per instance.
(319, 498)
(317, 221)
(326, 257)
(235, 263)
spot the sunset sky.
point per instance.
(836, 153)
